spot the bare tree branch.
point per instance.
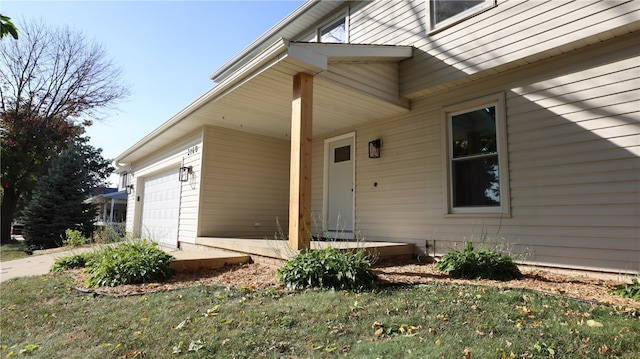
(53, 82)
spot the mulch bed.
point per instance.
(391, 273)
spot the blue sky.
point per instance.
(166, 49)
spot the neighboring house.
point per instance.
(112, 204)
(425, 122)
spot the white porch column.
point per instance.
(113, 203)
(300, 174)
(104, 212)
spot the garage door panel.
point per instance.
(161, 208)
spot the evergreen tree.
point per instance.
(58, 201)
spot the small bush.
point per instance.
(129, 263)
(70, 262)
(74, 238)
(631, 291)
(109, 234)
(484, 263)
(329, 268)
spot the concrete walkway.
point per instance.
(32, 265)
(40, 262)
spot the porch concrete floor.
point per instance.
(211, 253)
(189, 261)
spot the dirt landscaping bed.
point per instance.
(391, 273)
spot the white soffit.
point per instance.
(257, 96)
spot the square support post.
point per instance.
(300, 174)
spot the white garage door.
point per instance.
(161, 208)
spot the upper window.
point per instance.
(476, 164)
(444, 13)
(334, 31)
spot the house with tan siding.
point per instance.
(502, 122)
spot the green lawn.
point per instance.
(13, 250)
(43, 318)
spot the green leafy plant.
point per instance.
(329, 268)
(484, 263)
(74, 238)
(131, 262)
(109, 234)
(69, 262)
(631, 291)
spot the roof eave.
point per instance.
(221, 73)
(311, 57)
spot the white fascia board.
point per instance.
(309, 56)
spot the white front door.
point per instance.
(161, 208)
(340, 189)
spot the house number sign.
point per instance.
(192, 151)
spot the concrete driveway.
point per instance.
(37, 264)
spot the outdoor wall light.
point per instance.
(374, 149)
(130, 189)
(183, 173)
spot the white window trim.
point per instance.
(434, 28)
(504, 209)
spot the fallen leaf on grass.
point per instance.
(604, 349)
(196, 345)
(177, 349)
(331, 348)
(29, 348)
(404, 329)
(181, 325)
(213, 311)
(593, 323)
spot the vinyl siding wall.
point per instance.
(573, 131)
(171, 158)
(512, 34)
(245, 181)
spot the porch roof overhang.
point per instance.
(118, 197)
(353, 84)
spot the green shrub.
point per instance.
(74, 238)
(631, 291)
(109, 234)
(328, 268)
(484, 263)
(129, 263)
(70, 262)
